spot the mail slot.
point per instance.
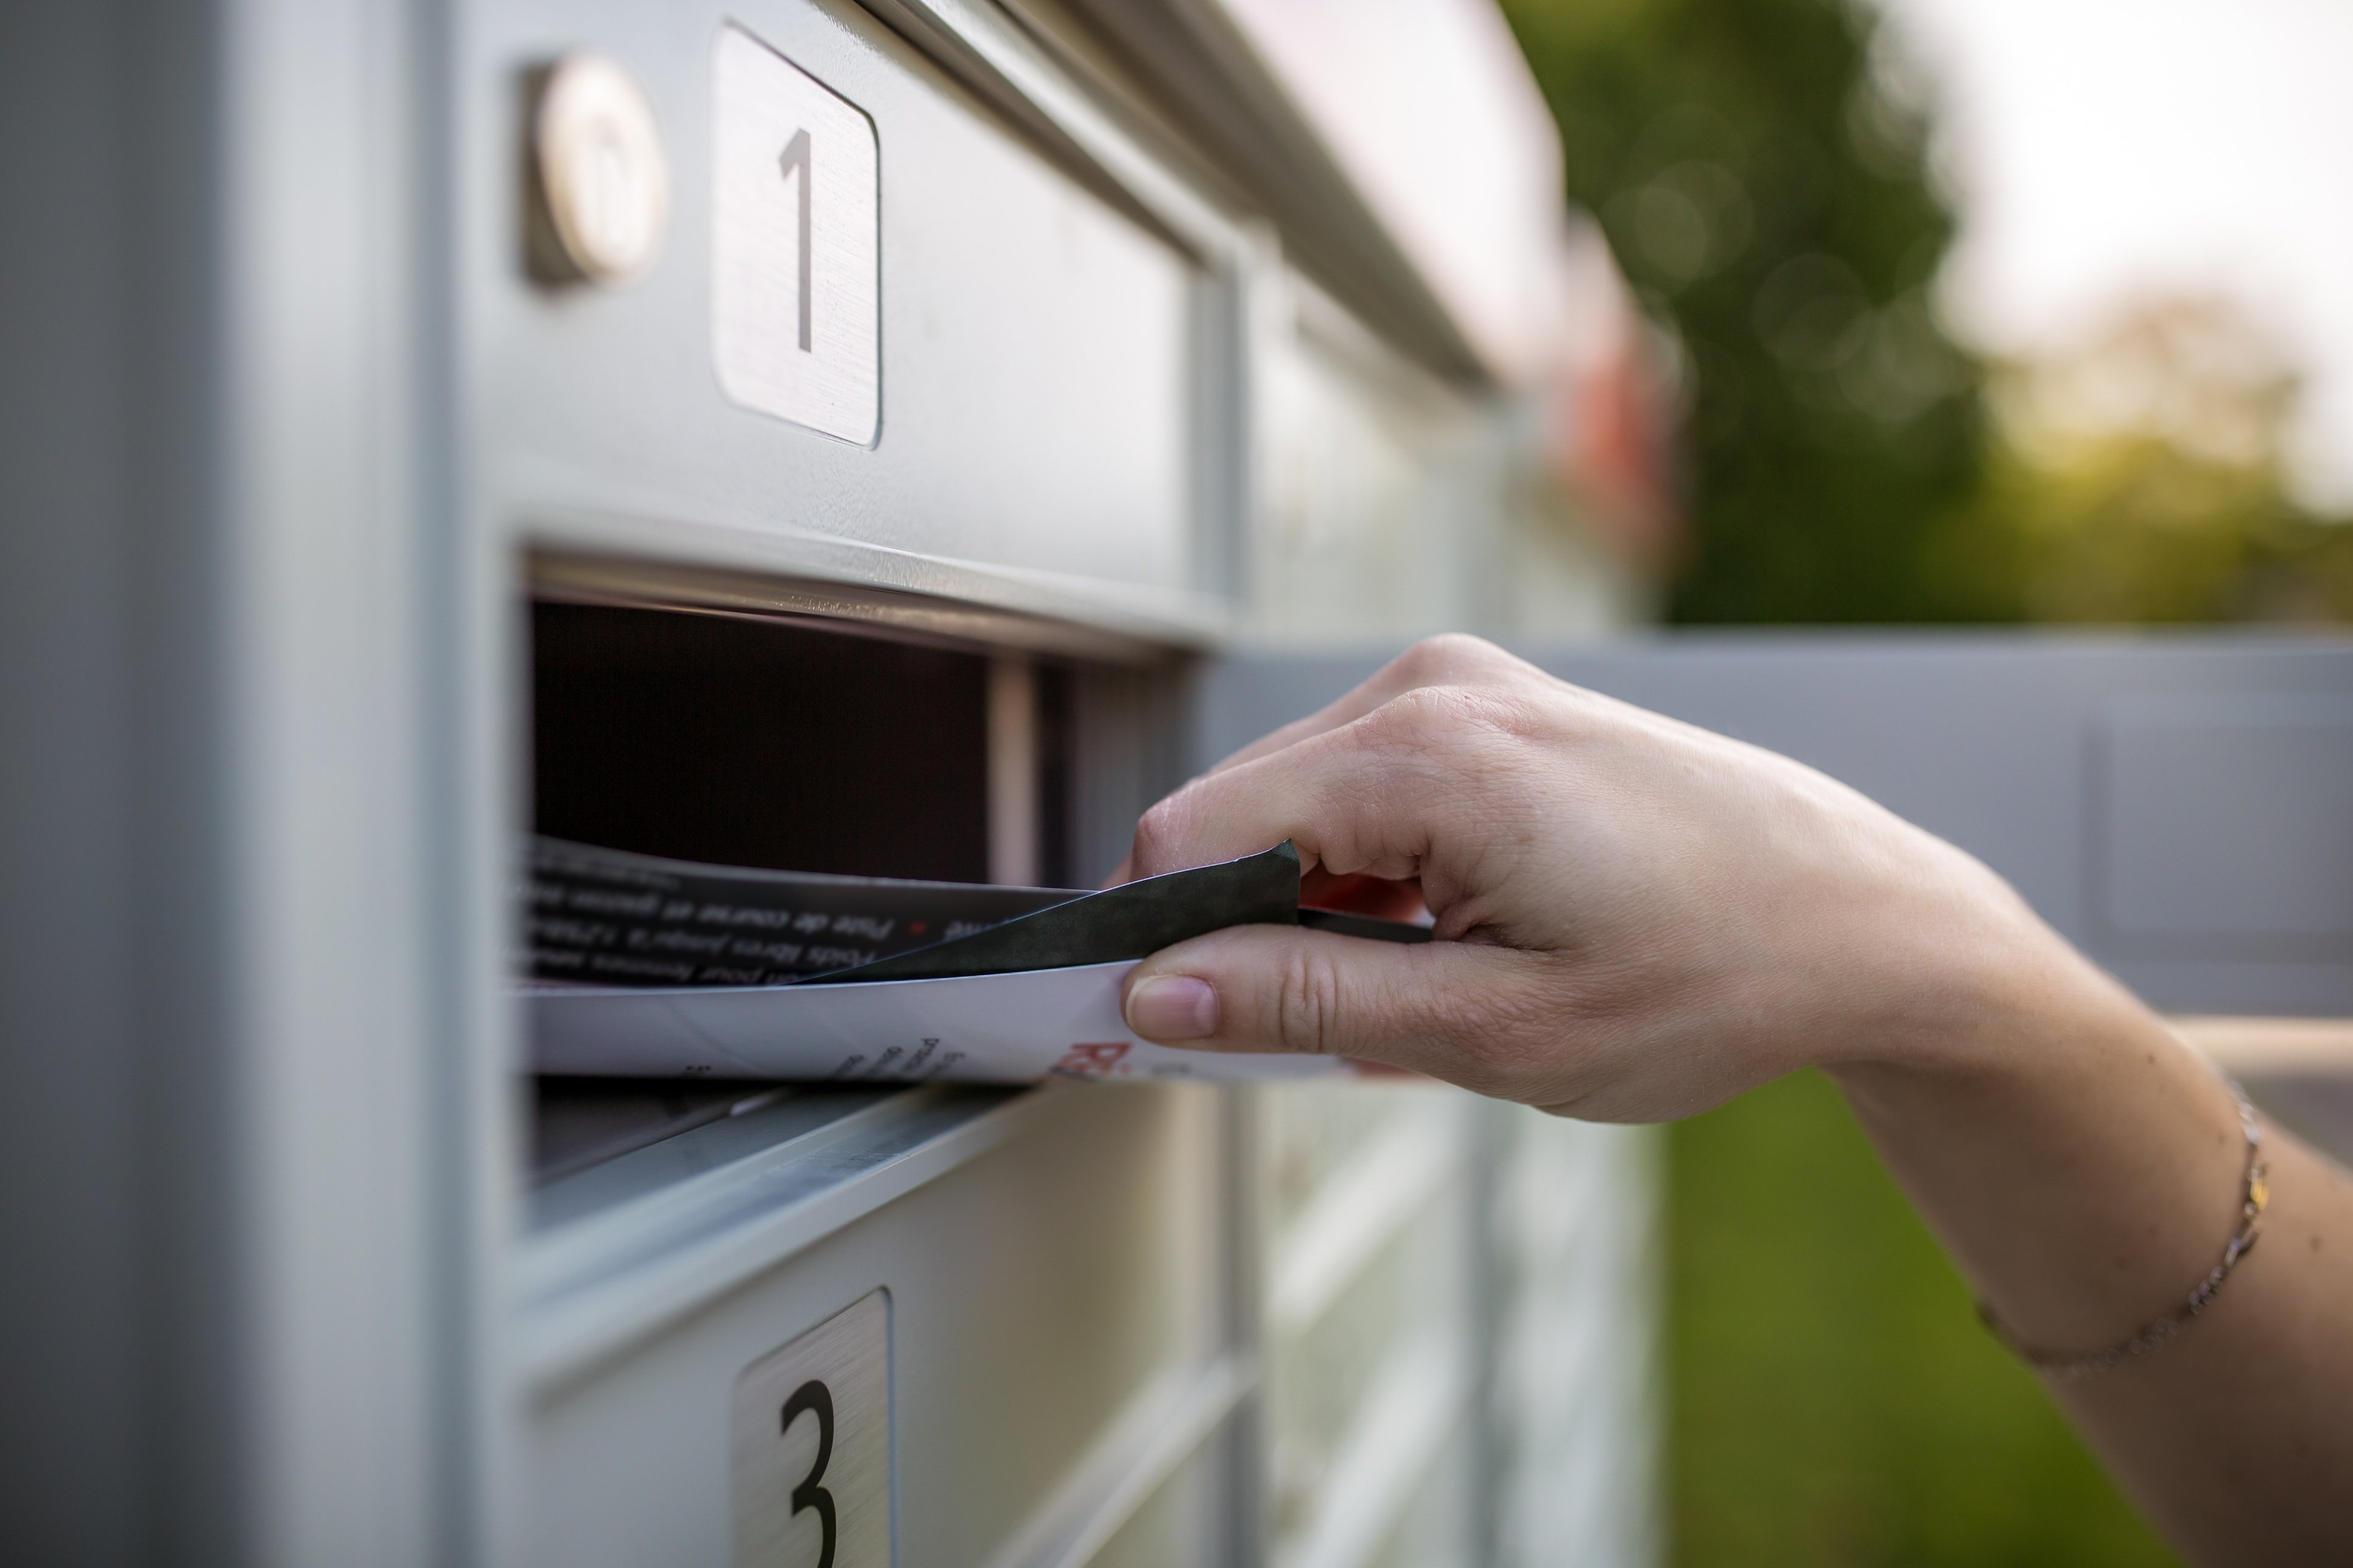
(737, 742)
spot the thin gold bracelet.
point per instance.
(2253, 1194)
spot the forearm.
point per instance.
(2083, 1168)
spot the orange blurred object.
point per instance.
(1357, 894)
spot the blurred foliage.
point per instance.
(2140, 480)
(1761, 169)
(1766, 191)
(1833, 1401)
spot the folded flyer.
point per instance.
(646, 967)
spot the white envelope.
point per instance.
(983, 1029)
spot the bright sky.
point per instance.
(2107, 149)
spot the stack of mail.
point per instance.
(641, 966)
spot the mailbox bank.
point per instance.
(900, 439)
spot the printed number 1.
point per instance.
(814, 1395)
(796, 160)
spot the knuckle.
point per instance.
(1157, 832)
(1425, 661)
(1412, 721)
(1449, 655)
(1307, 1004)
(1442, 718)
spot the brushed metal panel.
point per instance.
(809, 1442)
(1041, 354)
(1060, 1277)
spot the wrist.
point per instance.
(2041, 1116)
(1974, 985)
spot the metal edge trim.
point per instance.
(627, 561)
(1250, 124)
(570, 1254)
(992, 55)
(566, 1336)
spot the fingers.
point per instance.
(1459, 1011)
(1366, 797)
(1450, 660)
(1218, 817)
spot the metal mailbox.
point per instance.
(914, 434)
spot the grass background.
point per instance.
(1832, 1400)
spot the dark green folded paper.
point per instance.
(608, 917)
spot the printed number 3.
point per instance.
(814, 1395)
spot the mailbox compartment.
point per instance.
(1055, 1279)
(1041, 354)
(1058, 1263)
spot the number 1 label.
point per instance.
(795, 290)
(810, 1435)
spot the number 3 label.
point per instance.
(811, 1440)
(796, 285)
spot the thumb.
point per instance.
(1432, 1008)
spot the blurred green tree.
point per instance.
(1761, 170)
(2139, 479)
(1760, 167)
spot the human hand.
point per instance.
(1637, 920)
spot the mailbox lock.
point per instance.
(599, 188)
